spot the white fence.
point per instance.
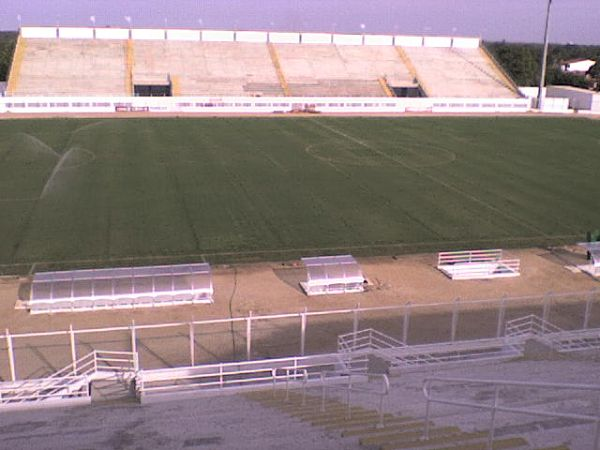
(304, 333)
(477, 264)
(260, 105)
(246, 36)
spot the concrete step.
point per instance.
(500, 444)
(341, 417)
(409, 436)
(388, 428)
(367, 423)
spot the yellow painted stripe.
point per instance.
(175, 86)
(15, 67)
(385, 87)
(412, 70)
(129, 63)
(278, 69)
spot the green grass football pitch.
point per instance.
(134, 191)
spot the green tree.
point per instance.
(7, 48)
(594, 74)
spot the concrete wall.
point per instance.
(112, 33)
(284, 38)
(579, 99)
(76, 33)
(148, 34)
(183, 35)
(39, 32)
(269, 105)
(248, 36)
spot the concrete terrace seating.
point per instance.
(339, 70)
(452, 72)
(210, 68)
(72, 67)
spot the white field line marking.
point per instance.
(435, 180)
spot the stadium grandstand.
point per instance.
(117, 63)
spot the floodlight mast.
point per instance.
(540, 96)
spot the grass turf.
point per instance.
(103, 192)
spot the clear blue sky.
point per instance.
(513, 20)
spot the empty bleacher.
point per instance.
(101, 67)
(209, 68)
(454, 72)
(72, 67)
(340, 70)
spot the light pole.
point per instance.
(19, 20)
(540, 96)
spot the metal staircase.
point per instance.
(71, 384)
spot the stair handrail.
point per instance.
(494, 407)
(349, 388)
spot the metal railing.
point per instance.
(253, 323)
(367, 339)
(71, 381)
(351, 387)
(243, 374)
(495, 406)
(532, 326)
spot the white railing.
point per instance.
(237, 375)
(469, 256)
(402, 356)
(368, 339)
(303, 319)
(495, 405)
(352, 379)
(44, 389)
(72, 381)
(532, 326)
(477, 264)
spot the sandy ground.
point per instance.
(269, 288)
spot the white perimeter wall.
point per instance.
(112, 33)
(253, 105)
(248, 36)
(183, 35)
(76, 33)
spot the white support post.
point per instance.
(546, 309)
(133, 337)
(303, 331)
(501, 315)
(454, 325)
(490, 444)
(73, 349)
(249, 336)
(11, 356)
(192, 343)
(355, 325)
(406, 323)
(588, 312)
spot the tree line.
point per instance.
(521, 61)
(8, 40)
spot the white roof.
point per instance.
(325, 270)
(130, 282)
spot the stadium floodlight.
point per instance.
(93, 20)
(540, 96)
